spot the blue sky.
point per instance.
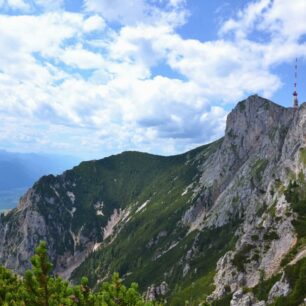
(96, 77)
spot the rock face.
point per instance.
(241, 299)
(44, 217)
(155, 292)
(280, 288)
(266, 143)
(175, 221)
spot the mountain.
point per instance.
(19, 171)
(223, 223)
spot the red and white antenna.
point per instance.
(295, 94)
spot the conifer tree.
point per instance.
(11, 289)
(37, 280)
(40, 288)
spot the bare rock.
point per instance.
(156, 291)
(280, 288)
(241, 299)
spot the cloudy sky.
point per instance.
(97, 77)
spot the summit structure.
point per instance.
(295, 94)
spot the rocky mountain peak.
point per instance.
(254, 123)
(256, 116)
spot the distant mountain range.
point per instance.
(19, 171)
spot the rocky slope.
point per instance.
(223, 223)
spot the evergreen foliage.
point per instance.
(40, 288)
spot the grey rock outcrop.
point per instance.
(280, 288)
(241, 299)
(156, 291)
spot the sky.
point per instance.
(93, 78)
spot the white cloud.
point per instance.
(280, 18)
(94, 23)
(132, 12)
(81, 58)
(246, 18)
(281, 22)
(43, 33)
(116, 10)
(225, 70)
(18, 4)
(286, 19)
(28, 6)
(177, 3)
(48, 94)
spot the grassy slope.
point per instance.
(161, 180)
(142, 177)
(117, 181)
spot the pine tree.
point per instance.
(115, 293)
(11, 289)
(40, 288)
(37, 279)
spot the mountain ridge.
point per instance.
(199, 225)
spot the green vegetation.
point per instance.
(271, 235)
(195, 293)
(255, 237)
(119, 182)
(241, 106)
(241, 256)
(261, 291)
(10, 287)
(154, 241)
(272, 133)
(296, 195)
(296, 275)
(40, 288)
(195, 287)
(303, 156)
(225, 301)
(258, 168)
(267, 104)
(260, 209)
(272, 210)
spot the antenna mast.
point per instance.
(295, 94)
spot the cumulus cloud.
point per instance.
(226, 70)
(281, 18)
(18, 4)
(120, 11)
(81, 58)
(171, 12)
(29, 6)
(73, 79)
(281, 22)
(94, 23)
